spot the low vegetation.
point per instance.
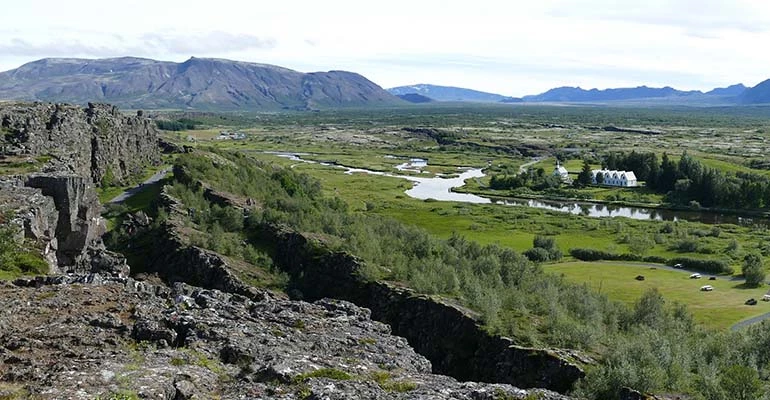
(499, 260)
(18, 257)
(652, 344)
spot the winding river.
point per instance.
(440, 188)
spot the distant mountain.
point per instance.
(198, 83)
(448, 93)
(576, 94)
(415, 98)
(759, 94)
(733, 90)
(641, 94)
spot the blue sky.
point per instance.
(508, 47)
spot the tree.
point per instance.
(599, 179)
(668, 174)
(753, 270)
(741, 383)
(584, 177)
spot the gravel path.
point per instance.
(136, 189)
(535, 160)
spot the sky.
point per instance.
(511, 47)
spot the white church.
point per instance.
(615, 178)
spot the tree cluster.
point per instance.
(689, 182)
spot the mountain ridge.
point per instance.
(197, 83)
(448, 93)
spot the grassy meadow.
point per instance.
(719, 309)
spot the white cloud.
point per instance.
(511, 47)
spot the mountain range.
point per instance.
(198, 83)
(216, 84)
(734, 94)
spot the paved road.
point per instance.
(735, 327)
(136, 189)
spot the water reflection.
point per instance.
(440, 188)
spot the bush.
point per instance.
(686, 246)
(544, 243)
(538, 255)
(654, 259)
(596, 255)
(709, 266)
(753, 270)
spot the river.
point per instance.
(440, 188)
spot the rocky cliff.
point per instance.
(447, 334)
(58, 208)
(87, 337)
(97, 142)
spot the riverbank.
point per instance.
(665, 212)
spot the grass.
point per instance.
(11, 165)
(110, 192)
(328, 373)
(140, 201)
(718, 309)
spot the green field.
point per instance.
(718, 309)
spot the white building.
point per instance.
(615, 178)
(562, 173)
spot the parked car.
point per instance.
(712, 278)
(706, 288)
(678, 266)
(639, 277)
(766, 297)
(695, 276)
(751, 302)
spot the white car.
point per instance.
(706, 288)
(766, 297)
(678, 266)
(695, 276)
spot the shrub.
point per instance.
(710, 266)
(537, 255)
(753, 270)
(596, 255)
(686, 246)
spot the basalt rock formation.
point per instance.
(97, 142)
(447, 334)
(121, 338)
(58, 207)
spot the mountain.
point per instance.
(198, 83)
(576, 94)
(415, 98)
(759, 94)
(733, 90)
(642, 94)
(448, 93)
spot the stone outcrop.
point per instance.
(169, 255)
(58, 207)
(61, 214)
(79, 223)
(107, 337)
(97, 142)
(34, 215)
(448, 335)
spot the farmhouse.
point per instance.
(614, 178)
